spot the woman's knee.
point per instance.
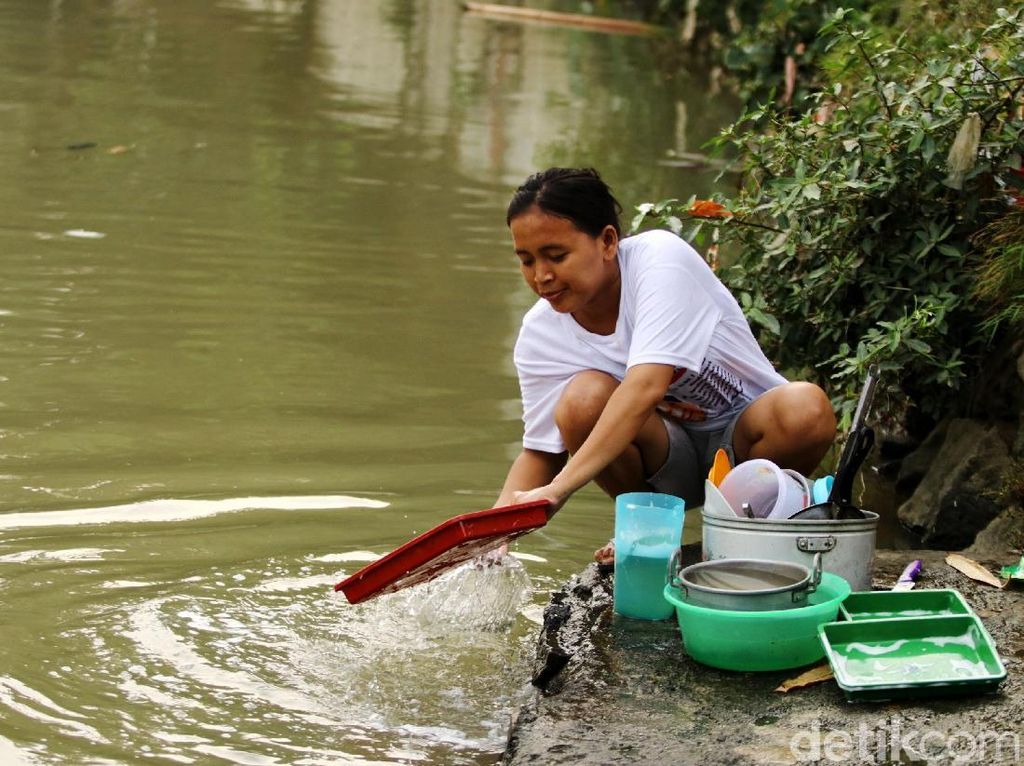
(806, 414)
(581, 404)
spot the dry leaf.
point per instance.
(813, 676)
(973, 569)
(708, 208)
(119, 149)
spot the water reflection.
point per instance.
(256, 250)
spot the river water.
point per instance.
(256, 314)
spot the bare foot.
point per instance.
(605, 556)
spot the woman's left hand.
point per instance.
(684, 412)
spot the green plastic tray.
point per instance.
(892, 604)
(911, 657)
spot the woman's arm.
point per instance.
(627, 410)
(531, 469)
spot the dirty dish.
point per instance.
(770, 491)
(874, 660)
(648, 530)
(772, 640)
(746, 585)
(895, 604)
(715, 504)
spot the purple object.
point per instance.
(909, 575)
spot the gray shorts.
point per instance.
(690, 456)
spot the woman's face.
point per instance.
(575, 272)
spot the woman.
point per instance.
(637, 364)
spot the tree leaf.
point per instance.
(765, 320)
(813, 676)
(974, 570)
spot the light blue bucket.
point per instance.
(648, 530)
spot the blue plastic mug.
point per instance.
(648, 529)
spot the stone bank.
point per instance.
(616, 691)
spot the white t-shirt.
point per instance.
(672, 310)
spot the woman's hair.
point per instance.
(576, 194)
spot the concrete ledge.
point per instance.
(615, 691)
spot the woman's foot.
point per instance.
(605, 556)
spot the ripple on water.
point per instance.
(261, 662)
(428, 670)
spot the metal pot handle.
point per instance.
(672, 575)
(815, 574)
(801, 593)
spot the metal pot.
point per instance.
(847, 546)
(745, 585)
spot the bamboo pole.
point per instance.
(596, 23)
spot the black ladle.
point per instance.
(862, 438)
(840, 503)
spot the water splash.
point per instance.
(468, 597)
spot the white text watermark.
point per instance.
(893, 740)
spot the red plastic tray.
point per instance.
(450, 543)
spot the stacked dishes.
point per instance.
(753, 615)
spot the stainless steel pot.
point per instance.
(847, 546)
(746, 585)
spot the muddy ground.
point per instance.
(616, 691)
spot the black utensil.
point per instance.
(858, 444)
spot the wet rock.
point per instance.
(1003, 538)
(959, 494)
(633, 695)
(569, 623)
(914, 466)
(894, 442)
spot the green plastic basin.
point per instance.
(771, 640)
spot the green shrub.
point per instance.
(850, 239)
(1000, 278)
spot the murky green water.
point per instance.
(256, 314)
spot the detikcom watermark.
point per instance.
(892, 741)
